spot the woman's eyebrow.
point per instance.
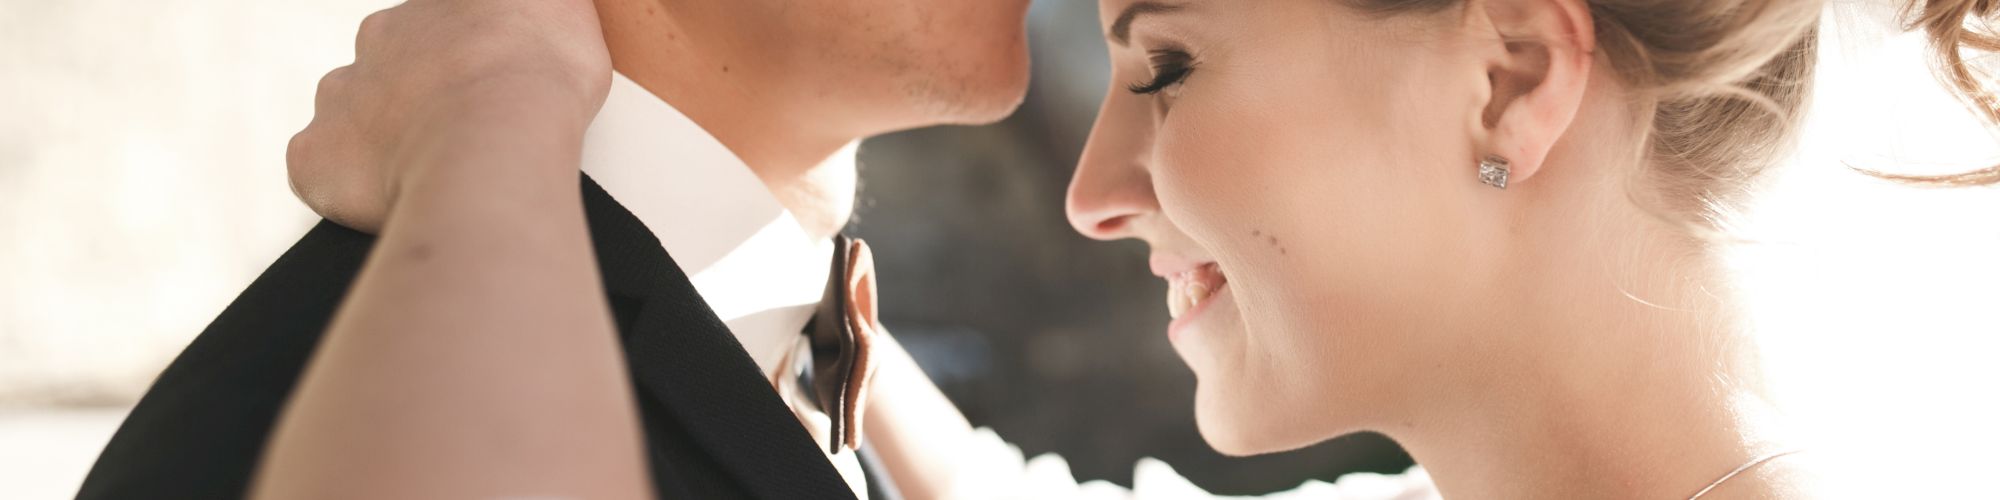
(1121, 29)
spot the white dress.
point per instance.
(992, 469)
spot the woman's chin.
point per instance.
(1209, 338)
(1205, 335)
(1238, 409)
(1239, 418)
(1227, 426)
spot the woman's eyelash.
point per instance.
(1170, 67)
(1166, 77)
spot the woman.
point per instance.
(1476, 227)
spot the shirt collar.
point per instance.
(746, 255)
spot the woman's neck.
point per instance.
(1630, 448)
(1623, 375)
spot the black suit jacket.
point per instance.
(713, 426)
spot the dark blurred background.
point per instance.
(1054, 340)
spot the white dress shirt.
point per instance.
(747, 256)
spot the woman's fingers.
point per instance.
(327, 96)
(448, 63)
(319, 161)
(372, 31)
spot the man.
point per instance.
(715, 179)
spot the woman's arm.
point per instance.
(933, 453)
(474, 357)
(917, 433)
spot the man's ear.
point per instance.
(1537, 77)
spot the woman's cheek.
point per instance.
(1225, 179)
(1210, 169)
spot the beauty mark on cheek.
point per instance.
(1268, 239)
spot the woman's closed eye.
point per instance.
(1170, 68)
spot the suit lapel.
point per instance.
(684, 357)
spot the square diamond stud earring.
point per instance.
(1493, 171)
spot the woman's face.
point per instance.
(1304, 174)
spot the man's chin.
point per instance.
(992, 97)
(970, 105)
(990, 113)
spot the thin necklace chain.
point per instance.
(1739, 470)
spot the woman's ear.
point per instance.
(1537, 78)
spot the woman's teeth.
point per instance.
(1187, 290)
(1183, 297)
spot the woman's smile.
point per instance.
(1192, 286)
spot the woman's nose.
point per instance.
(1112, 188)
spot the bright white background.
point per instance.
(1878, 305)
(142, 186)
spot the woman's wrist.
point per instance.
(912, 425)
(498, 149)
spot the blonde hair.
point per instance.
(1727, 81)
(1945, 21)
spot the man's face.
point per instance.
(915, 62)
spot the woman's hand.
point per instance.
(474, 355)
(431, 71)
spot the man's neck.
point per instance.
(735, 88)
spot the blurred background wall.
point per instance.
(142, 186)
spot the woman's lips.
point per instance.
(1188, 289)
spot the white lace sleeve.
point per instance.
(992, 469)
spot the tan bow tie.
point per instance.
(840, 334)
